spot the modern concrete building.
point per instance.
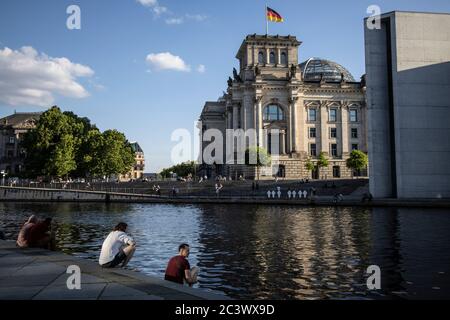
(304, 109)
(408, 102)
(12, 130)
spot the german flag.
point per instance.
(273, 16)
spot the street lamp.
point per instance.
(3, 173)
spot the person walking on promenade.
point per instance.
(24, 233)
(179, 270)
(219, 187)
(117, 248)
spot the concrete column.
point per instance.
(324, 143)
(235, 117)
(344, 131)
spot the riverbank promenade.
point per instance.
(351, 194)
(36, 274)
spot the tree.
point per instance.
(309, 165)
(181, 170)
(82, 130)
(257, 157)
(64, 144)
(51, 146)
(111, 154)
(322, 162)
(358, 160)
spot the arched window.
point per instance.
(272, 57)
(283, 58)
(273, 112)
(261, 57)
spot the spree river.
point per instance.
(268, 252)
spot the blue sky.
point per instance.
(108, 74)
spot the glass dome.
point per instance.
(314, 68)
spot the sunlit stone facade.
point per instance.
(296, 110)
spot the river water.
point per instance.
(268, 252)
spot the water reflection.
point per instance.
(248, 251)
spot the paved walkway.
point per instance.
(35, 274)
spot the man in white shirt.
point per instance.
(117, 248)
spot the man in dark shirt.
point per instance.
(178, 268)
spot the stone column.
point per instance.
(242, 115)
(344, 131)
(293, 122)
(258, 120)
(324, 143)
(289, 128)
(278, 56)
(235, 116)
(282, 142)
(302, 146)
(267, 56)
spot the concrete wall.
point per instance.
(34, 194)
(408, 95)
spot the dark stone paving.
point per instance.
(34, 274)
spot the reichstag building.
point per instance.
(315, 106)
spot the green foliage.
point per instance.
(258, 157)
(309, 165)
(322, 161)
(63, 144)
(182, 170)
(358, 160)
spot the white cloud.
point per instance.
(196, 17)
(175, 21)
(156, 7)
(167, 61)
(181, 20)
(158, 10)
(30, 78)
(148, 3)
(201, 68)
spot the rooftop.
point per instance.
(19, 117)
(316, 69)
(136, 147)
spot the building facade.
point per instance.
(296, 111)
(408, 97)
(137, 170)
(12, 130)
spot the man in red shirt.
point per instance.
(178, 268)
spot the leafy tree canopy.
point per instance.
(63, 144)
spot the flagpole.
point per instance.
(267, 22)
